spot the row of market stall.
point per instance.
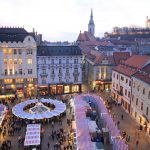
(83, 127)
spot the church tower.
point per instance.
(91, 25)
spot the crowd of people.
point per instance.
(15, 127)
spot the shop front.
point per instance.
(30, 90)
(52, 89)
(59, 89)
(43, 90)
(19, 91)
(101, 85)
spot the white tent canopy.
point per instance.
(18, 110)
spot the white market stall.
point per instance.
(32, 135)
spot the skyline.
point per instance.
(63, 20)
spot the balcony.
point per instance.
(43, 74)
(76, 73)
(120, 93)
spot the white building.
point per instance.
(122, 81)
(18, 62)
(59, 69)
(140, 104)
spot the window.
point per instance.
(141, 105)
(143, 90)
(59, 61)
(60, 79)
(15, 51)
(147, 111)
(20, 51)
(29, 52)
(67, 70)
(20, 71)
(6, 72)
(19, 61)
(114, 75)
(29, 71)
(122, 78)
(125, 91)
(129, 83)
(52, 71)
(52, 61)
(128, 94)
(113, 84)
(117, 76)
(137, 101)
(67, 61)
(75, 78)
(59, 70)
(126, 80)
(29, 60)
(10, 71)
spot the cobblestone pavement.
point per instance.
(48, 129)
(130, 126)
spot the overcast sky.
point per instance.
(63, 19)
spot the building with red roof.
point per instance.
(122, 79)
(140, 103)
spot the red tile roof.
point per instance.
(97, 58)
(120, 56)
(132, 65)
(144, 74)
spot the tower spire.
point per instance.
(91, 25)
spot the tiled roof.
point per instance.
(14, 34)
(132, 65)
(99, 58)
(120, 56)
(12, 31)
(144, 74)
(58, 50)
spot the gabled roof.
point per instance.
(144, 74)
(58, 50)
(120, 56)
(132, 65)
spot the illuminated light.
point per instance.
(30, 85)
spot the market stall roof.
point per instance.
(32, 136)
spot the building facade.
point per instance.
(18, 75)
(98, 70)
(122, 82)
(59, 69)
(140, 103)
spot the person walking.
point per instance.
(122, 117)
(48, 145)
(137, 143)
